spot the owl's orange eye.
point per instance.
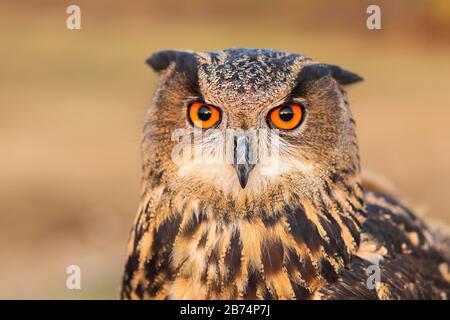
(286, 117)
(203, 115)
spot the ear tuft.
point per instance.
(344, 77)
(318, 70)
(161, 60)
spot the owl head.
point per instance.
(244, 122)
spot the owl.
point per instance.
(251, 189)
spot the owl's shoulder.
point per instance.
(398, 257)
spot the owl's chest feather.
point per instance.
(289, 257)
(195, 254)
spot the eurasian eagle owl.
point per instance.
(251, 189)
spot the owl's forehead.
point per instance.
(248, 76)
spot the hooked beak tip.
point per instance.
(243, 173)
(243, 182)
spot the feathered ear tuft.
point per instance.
(160, 60)
(342, 76)
(185, 61)
(319, 70)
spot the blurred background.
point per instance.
(72, 105)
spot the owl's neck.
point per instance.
(285, 249)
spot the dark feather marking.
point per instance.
(270, 220)
(193, 224)
(395, 203)
(347, 171)
(337, 204)
(155, 177)
(351, 284)
(302, 229)
(234, 293)
(353, 217)
(213, 259)
(327, 189)
(293, 266)
(305, 266)
(130, 267)
(300, 291)
(352, 206)
(140, 290)
(383, 230)
(406, 277)
(233, 256)
(359, 186)
(272, 256)
(359, 198)
(162, 245)
(327, 271)
(203, 238)
(338, 178)
(254, 277)
(409, 223)
(334, 233)
(267, 294)
(132, 263)
(350, 224)
(408, 226)
(147, 207)
(341, 210)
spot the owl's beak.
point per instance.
(242, 159)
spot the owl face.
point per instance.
(243, 121)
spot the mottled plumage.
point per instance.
(308, 230)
